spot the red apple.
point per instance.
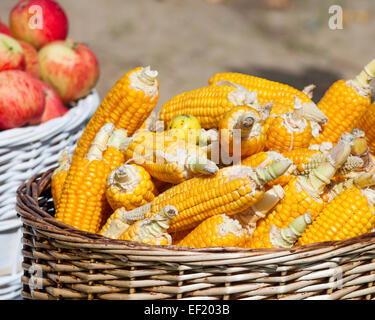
(38, 22)
(70, 68)
(11, 54)
(4, 29)
(31, 59)
(53, 107)
(21, 99)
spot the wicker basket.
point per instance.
(23, 153)
(61, 262)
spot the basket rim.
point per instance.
(33, 133)
(30, 213)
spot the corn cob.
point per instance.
(153, 230)
(249, 218)
(168, 158)
(59, 175)
(344, 103)
(288, 236)
(361, 181)
(289, 131)
(232, 190)
(129, 186)
(264, 159)
(351, 164)
(127, 105)
(367, 124)
(243, 126)
(216, 231)
(116, 224)
(82, 203)
(303, 194)
(351, 213)
(208, 104)
(301, 157)
(281, 95)
(355, 161)
(114, 154)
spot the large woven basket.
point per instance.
(23, 153)
(61, 262)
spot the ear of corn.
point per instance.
(127, 106)
(168, 158)
(289, 131)
(82, 203)
(129, 186)
(351, 164)
(59, 176)
(114, 154)
(216, 231)
(287, 237)
(281, 95)
(152, 230)
(232, 190)
(259, 210)
(344, 103)
(264, 159)
(121, 219)
(208, 104)
(367, 124)
(244, 126)
(302, 195)
(361, 181)
(349, 214)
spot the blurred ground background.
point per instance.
(187, 41)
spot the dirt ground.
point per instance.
(188, 41)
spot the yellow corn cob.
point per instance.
(152, 230)
(208, 104)
(232, 190)
(259, 210)
(288, 236)
(300, 157)
(281, 95)
(59, 176)
(361, 181)
(82, 203)
(289, 131)
(351, 164)
(114, 154)
(264, 159)
(302, 195)
(168, 158)
(349, 214)
(127, 105)
(344, 103)
(367, 124)
(216, 231)
(243, 126)
(129, 186)
(116, 224)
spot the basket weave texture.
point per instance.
(61, 262)
(25, 152)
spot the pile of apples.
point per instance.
(41, 71)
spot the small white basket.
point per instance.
(25, 152)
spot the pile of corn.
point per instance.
(243, 162)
